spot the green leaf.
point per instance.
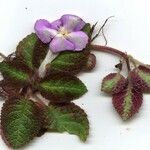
(32, 51)
(39, 53)
(19, 121)
(87, 29)
(14, 71)
(61, 87)
(25, 49)
(71, 62)
(67, 118)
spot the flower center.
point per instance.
(63, 31)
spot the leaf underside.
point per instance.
(67, 118)
(19, 121)
(61, 87)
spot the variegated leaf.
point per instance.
(127, 102)
(113, 83)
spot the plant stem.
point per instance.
(135, 61)
(112, 51)
(42, 69)
(117, 52)
(128, 64)
(109, 50)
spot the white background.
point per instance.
(128, 31)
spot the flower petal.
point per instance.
(44, 31)
(72, 22)
(56, 24)
(79, 39)
(59, 43)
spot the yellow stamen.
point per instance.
(63, 31)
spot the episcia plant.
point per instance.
(39, 81)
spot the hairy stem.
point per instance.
(117, 52)
(112, 51)
(109, 50)
(128, 64)
(135, 62)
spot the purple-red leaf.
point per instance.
(141, 78)
(127, 102)
(113, 83)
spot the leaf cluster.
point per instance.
(24, 115)
(127, 93)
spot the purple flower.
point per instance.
(63, 34)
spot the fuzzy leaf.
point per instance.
(19, 121)
(8, 89)
(91, 62)
(61, 87)
(127, 102)
(14, 71)
(70, 118)
(70, 62)
(25, 49)
(39, 53)
(32, 51)
(141, 78)
(113, 83)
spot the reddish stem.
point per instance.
(111, 51)
(108, 50)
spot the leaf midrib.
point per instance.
(48, 87)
